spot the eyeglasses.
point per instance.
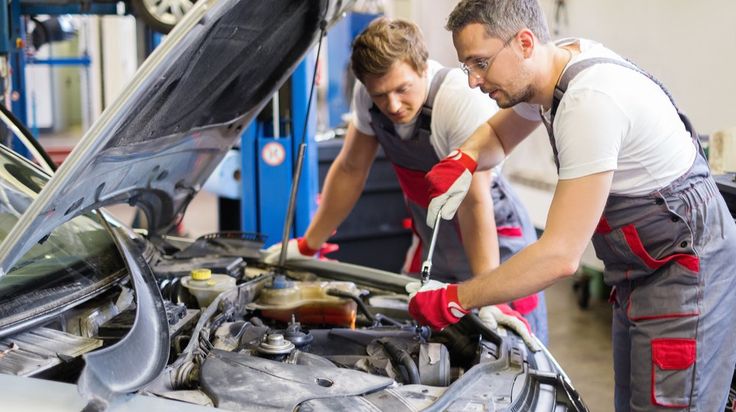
(480, 66)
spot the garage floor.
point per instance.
(580, 339)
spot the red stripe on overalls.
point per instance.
(603, 227)
(690, 262)
(413, 184)
(415, 261)
(415, 189)
(509, 231)
(631, 235)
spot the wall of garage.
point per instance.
(119, 56)
(688, 45)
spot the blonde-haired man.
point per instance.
(418, 111)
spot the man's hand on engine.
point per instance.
(296, 249)
(503, 315)
(435, 304)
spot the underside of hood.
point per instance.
(184, 109)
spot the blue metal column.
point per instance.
(17, 56)
(249, 179)
(339, 47)
(301, 81)
(275, 160)
(268, 164)
(4, 29)
(338, 62)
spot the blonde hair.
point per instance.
(385, 42)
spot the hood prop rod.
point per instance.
(300, 157)
(292, 204)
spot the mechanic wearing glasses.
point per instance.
(418, 111)
(632, 176)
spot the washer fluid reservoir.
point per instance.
(205, 286)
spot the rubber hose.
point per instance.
(403, 358)
(363, 308)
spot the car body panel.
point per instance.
(21, 394)
(186, 106)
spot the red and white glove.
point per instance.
(434, 304)
(449, 181)
(296, 249)
(503, 315)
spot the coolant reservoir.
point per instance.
(205, 286)
(309, 302)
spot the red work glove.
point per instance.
(435, 304)
(449, 181)
(295, 249)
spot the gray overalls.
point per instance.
(412, 159)
(669, 256)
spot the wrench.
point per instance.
(427, 264)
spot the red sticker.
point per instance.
(273, 154)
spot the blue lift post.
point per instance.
(17, 58)
(339, 46)
(5, 35)
(268, 162)
(301, 81)
(266, 187)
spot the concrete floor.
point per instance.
(580, 339)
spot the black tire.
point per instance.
(164, 21)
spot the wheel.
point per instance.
(162, 15)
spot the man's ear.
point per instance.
(527, 41)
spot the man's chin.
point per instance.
(501, 99)
(505, 101)
(401, 120)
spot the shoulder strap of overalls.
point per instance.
(576, 68)
(424, 122)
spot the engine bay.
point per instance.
(246, 335)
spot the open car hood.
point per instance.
(184, 109)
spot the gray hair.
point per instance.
(501, 18)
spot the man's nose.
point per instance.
(394, 104)
(474, 80)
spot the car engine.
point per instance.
(248, 336)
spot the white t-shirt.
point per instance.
(457, 112)
(613, 118)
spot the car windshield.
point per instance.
(74, 260)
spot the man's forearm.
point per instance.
(478, 226)
(529, 271)
(340, 193)
(484, 147)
